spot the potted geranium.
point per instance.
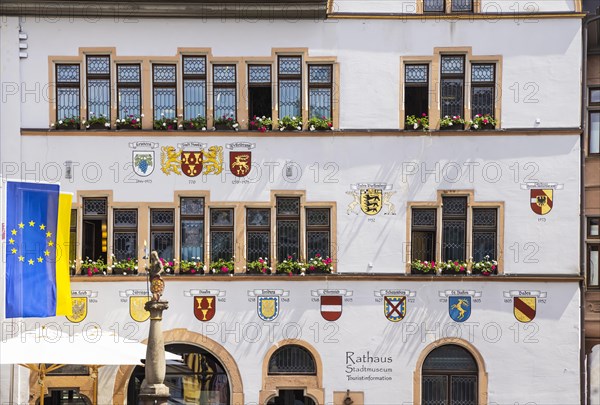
(129, 122)
(125, 266)
(168, 265)
(221, 266)
(423, 267)
(165, 124)
(290, 266)
(290, 123)
(486, 267)
(452, 123)
(261, 124)
(320, 124)
(96, 122)
(194, 266)
(226, 123)
(259, 266)
(453, 267)
(66, 123)
(93, 267)
(319, 265)
(414, 123)
(194, 124)
(482, 122)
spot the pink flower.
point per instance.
(89, 272)
(493, 267)
(193, 271)
(329, 124)
(311, 268)
(328, 261)
(423, 115)
(462, 268)
(317, 255)
(485, 121)
(456, 263)
(261, 261)
(133, 121)
(289, 257)
(289, 274)
(224, 269)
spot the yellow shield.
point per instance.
(371, 200)
(79, 309)
(136, 308)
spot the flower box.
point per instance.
(414, 123)
(484, 127)
(224, 127)
(97, 126)
(128, 127)
(454, 127)
(288, 123)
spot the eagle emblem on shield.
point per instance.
(394, 307)
(459, 308)
(524, 308)
(191, 163)
(205, 307)
(136, 308)
(240, 163)
(541, 200)
(331, 307)
(143, 162)
(371, 200)
(79, 305)
(268, 307)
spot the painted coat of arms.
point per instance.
(137, 300)
(240, 158)
(191, 159)
(541, 196)
(525, 303)
(205, 307)
(143, 158)
(459, 308)
(268, 307)
(394, 307)
(371, 198)
(80, 309)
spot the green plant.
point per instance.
(228, 122)
(125, 266)
(290, 123)
(222, 266)
(450, 121)
(93, 267)
(194, 266)
(66, 123)
(96, 120)
(453, 267)
(260, 266)
(416, 123)
(318, 264)
(262, 124)
(290, 266)
(320, 124)
(480, 122)
(486, 267)
(168, 265)
(132, 121)
(165, 124)
(198, 123)
(418, 266)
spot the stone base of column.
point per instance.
(154, 394)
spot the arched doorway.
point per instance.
(449, 376)
(291, 397)
(200, 379)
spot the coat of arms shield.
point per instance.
(371, 200)
(191, 163)
(143, 162)
(205, 307)
(268, 307)
(541, 201)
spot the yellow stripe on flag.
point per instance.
(63, 279)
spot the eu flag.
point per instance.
(31, 226)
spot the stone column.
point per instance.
(153, 390)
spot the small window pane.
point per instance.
(593, 226)
(289, 98)
(288, 206)
(462, 5)
(416, 73)
(192, 239)
(258, 245)
(482, 73)
(453, 237)
(67, 73)
(67, 102)
(125, 218)
(194, 65)
(435, 389)
(164, 102)
(451, 358)
(320, 103)
(319, 74)
(595, 132)
(219, 217)
(317, 217)
(94, 206)
(434, 6)
(224, 74)
(423, 217)
(125, 245)
(163, 217)
(483, 101)
(317, 243)
(593, 266)
(225, 102)
(288, 234)
(99, 65)
(258, 217)
(290, 65)
(221, 245)
(454, 206)
(292, 359)
(259, 74)
(595, 96)
(162, 242)
(99, 97)
(164, 73)
(128, 73)
(452, 97)
(192, 206)
(453, 64)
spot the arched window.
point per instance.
(292, 359)
(199, 379)
(449, 376)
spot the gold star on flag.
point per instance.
(48, 234)
(11, 241)
(47, 252)
(30, 261)
(42, 227)
(31, 223)
(21, 258)
(13, 251)
(40, 260)
(14, 231)
(21, 225)
(50, 243)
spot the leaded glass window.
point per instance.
(95, 231)
(423, 234)
(129, 90)
(124, 234)
(194, 87)
(67, 91)
(98, 86)
(258, 233)
(292, 359)
(164, 85)
(224, 91)
(288, 227)
(192, 228)
(290, 86)
(483, 88)
(320, 91)
(259, 91)
(434, 6)
(452, 85)
(454, 224)
(318, 232)
(462, 6)
(221, 234)
(416, 89)
(162, 232)
(484, 233)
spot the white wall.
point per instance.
(541, 59)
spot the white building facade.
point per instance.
(377, 193)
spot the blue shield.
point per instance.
(268, 307)
(459, 308)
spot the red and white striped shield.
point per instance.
(331, 307)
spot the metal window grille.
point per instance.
(192, 228)
(129, 90)
(194, 87)
(258, 233)
(288, 227)
(124, 233)
(292, 359)
(67, 91)
(221, 233)
(434, 6)
(454, 223)
(423, 234)
(98, 86)
(320, 91)
(290, 86)
(318, 232)
(224, 91)
(164, 85)
(483, 89)
(462, 6)
(452, 85)
(162, 232)
(484, 233)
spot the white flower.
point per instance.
(87, 127)
(475, 126)
(299, 128)
(106, 124)
(180, 126)
(60, 122)
(235, 125)
(312, 128)
(164, 124)
(162, 114)
(142, 115)
(117, 120)
(263, 117)
(52, 125)
(281, 129)
(331, 128)
(450, 124)
(415, 125)
(204, 128)
(83, 122)
(204, 268)
(293, 118)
